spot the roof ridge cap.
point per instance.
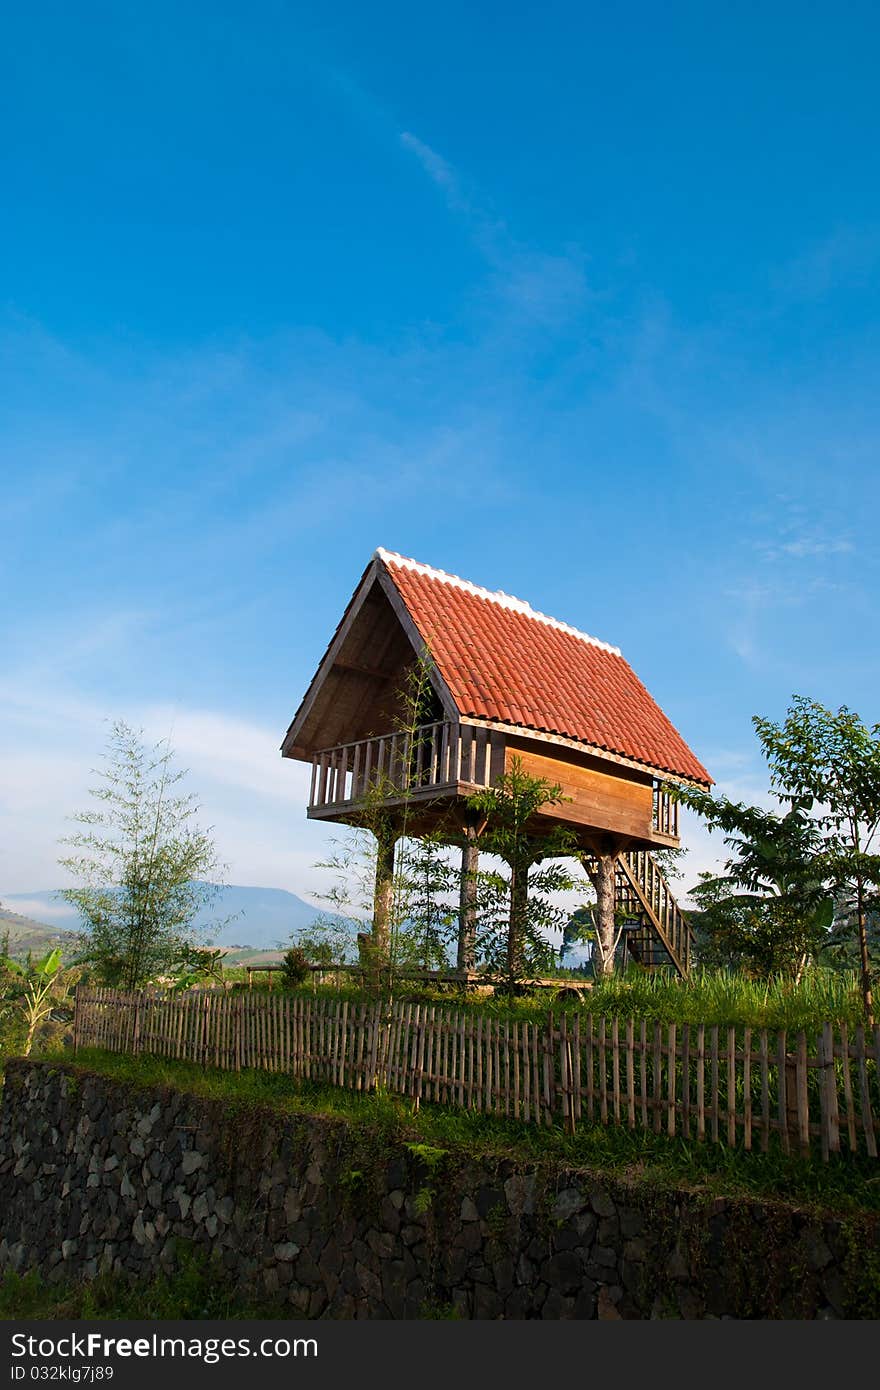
(516, 605)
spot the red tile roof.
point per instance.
(503, 661)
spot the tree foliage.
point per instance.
(827, 763)
(430, 884)
(806, 879)
(139, 861)
(509, 810)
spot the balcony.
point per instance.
(436, 763)
(434, 760)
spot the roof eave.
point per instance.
(582, 746)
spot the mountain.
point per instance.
(25, 934)
(259, 917)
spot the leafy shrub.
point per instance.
(295, 968)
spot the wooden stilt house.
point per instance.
(431, 686)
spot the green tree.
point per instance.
(770, 909)
(828, 762)
(328, 940)
(294, 968)
(579, 929)
(431, 914)
(758, 935)
(511, 832)
(140, 862)
(544, 920)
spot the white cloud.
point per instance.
(541, 288)
(254, 799)
(39, 908)
(435, 166)
(231, 753)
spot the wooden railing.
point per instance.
(658, 932)
(736, 1086)
(665, 818)
(395, 765)
(642, 891)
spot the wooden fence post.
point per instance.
(77, 1004)
(796, 1118)
(828, 1093)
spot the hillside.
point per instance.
(25, 934)
(260, 918)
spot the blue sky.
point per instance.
(577, 303)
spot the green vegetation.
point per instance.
(198, 1288)
(848, 1184)
(509, 809)
(708, 996)
(794, 876)
(139, 862)
(718, 996)
(295, 970)
(36, 1003)
(34, 992)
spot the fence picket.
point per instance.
(539, 1073)
(864, 1094)
(701, 1081)
(781, 1082)
(828, 1094)
(803, 1098)
(715, 1100)
(589, 1064)
(765, 1091)
(747, 1088)
(657, 1097)
(731, 1086)
(548, 1069)
(630, 1076)
(686, 1080)
(670, 1081)
(615, 1067)
(847, 1089)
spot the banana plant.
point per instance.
(43, 985)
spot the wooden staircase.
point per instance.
(664, 937)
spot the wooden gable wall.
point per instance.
(362, 691)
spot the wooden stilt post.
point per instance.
(467, 912)
(375, 946)
(383, 896)
(601, 866)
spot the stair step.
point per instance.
(641, 890)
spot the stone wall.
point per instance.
(331, 1220)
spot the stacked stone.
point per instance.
(329, 1221)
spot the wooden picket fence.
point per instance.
(737, 1086)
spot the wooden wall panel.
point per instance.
(603, 800)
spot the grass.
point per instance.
(846, 1184)
(198, 1288)
(709, 996)
(715, 996)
